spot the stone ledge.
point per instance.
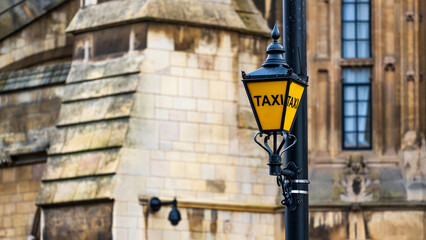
(39, 140)
(223, 206)
(34, 77)
(100, 88)
(178, 11)
(376, 206)
(105, 108)
(89, 136)
(81, 189)
(86, 71)
(84, 164)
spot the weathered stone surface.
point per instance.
(89, 136)
(192, 12)
(28, 119)
(95, 109)
(246, 118)
(34, 77)
(88, 188)
(19, 186)
(81, 164)
(37, 43)
(395, 225)
(21, 14)
(114, 67)
(86, 221)
(340, 187)
(143, 133)
(373, 225)
(100, 88)
(321, 187)
(392, 185)
(5, 5)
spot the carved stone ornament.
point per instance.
(410, 16)
(5, 159)
(355, 164)
(389, 62)
(410, 75)
(410, 154)
(356, 181)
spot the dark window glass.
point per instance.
(356, 34)
(356, 108)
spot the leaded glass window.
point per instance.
(356, 37)
(356, 108)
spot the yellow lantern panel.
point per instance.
(294, 97)
(268, 99)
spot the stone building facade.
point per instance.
(105, 104)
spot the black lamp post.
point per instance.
(294, 18)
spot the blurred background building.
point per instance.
(105, 104)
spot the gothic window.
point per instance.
(356, 108)
(356, 37)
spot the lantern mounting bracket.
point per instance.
(285, 176)
(275, 153)
(285, 181)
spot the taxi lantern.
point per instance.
(274, 92)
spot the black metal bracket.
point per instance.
(285, 181)
(285, 176)
(275, 153)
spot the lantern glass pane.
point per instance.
(295, 93)
(268, 100)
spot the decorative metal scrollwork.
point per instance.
(285, 176)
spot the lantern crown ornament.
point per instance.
(275, 51)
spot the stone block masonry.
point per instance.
(19, 188)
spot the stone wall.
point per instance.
(30, 99)
(18, 192)
(153, 113)
(37, 38)
(29, 106)
(367, 224)
(86, 221)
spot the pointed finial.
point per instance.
(275, 51)
(275, 33)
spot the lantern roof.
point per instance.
(275, 65)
